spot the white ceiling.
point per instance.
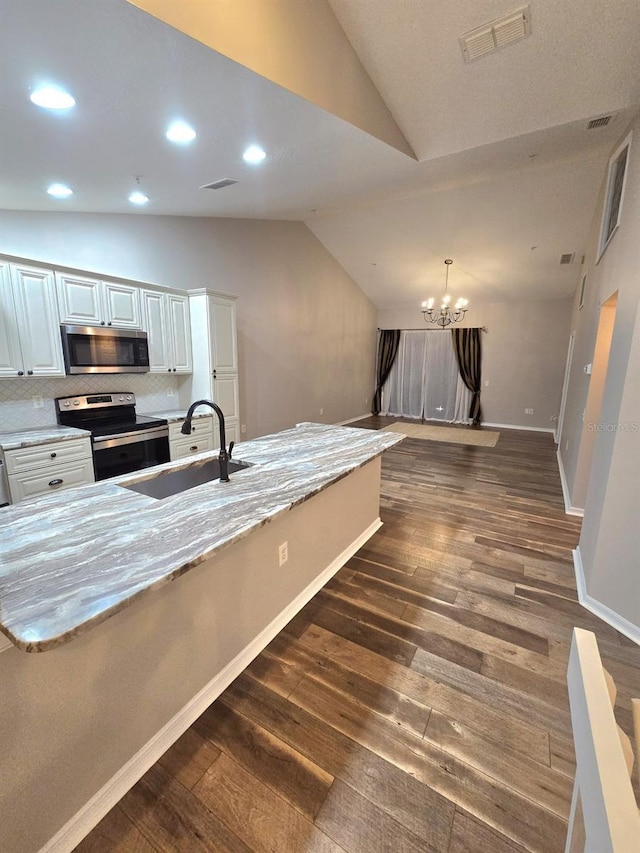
(478, 195)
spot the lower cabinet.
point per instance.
(44, 468)
(200, 440)
(205, 436)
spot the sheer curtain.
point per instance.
(424, 381)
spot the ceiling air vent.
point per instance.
(603, 121)
(496, 34)
(218, 185)
(567, 259)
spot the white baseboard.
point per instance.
(597, 608)
(352, 420)
(72, 833)
(570, 510)
(518, 426)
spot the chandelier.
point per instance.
(445, 315)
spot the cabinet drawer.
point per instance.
(193, 445)
(200, 427)
(51, 454)
(54, 478)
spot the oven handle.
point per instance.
(103, 442)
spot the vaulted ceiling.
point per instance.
(505, 175)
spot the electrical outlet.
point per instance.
(566, 444)
(528, 411)
(322, 411)
(283, 553)
(243, 429)
(171, 392)
(486, 383)
(38, 402)
(366, 400)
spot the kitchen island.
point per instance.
(129, 659)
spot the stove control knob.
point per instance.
(129, 397)
(76, 402)
(120, 399)
(66, 404)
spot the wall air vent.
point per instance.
(567, 259)
(218, 185)
(496, 34)
(603, 121)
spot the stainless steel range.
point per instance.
(122, 441)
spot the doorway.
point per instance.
(565, 389)
(592, 422)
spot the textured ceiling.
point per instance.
(506, 160)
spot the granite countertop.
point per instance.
(41, 435)
(174, 416)
(70, 560)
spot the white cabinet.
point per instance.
(215, 356)
(167, 323)
(30, 342)
(223, 335)
(10, 352)
(89, 302)
(44, 468)
(200, 440)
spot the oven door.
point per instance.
(122, 454)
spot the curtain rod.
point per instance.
(421, 329)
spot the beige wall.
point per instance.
(306, 332)
(609, 544)
(300, 46)
(523, 358)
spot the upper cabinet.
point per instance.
(166, 321)
(89, 302)
(30, 342)
(10, 352)
(222, 331)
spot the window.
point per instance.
(582, 290)
(615, 194)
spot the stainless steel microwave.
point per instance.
(97, 349)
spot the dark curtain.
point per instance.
(387, 351)
(467, 345)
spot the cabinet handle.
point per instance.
(195, 447)
(29, 372)
(168, 370)
(53, 455)
(57, 482)
(174, 370)
(214, 374)
(21, 373)
(109, 323)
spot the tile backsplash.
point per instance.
(154, 392)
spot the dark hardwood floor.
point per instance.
(418, 702)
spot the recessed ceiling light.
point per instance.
(138, 197)
(60, 191)
(254, 154)
(180, 132)
(52, 98)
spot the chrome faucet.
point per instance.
(223, 456)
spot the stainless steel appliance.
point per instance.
(98, 349)
(122, 441)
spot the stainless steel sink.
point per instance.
(173, 482)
